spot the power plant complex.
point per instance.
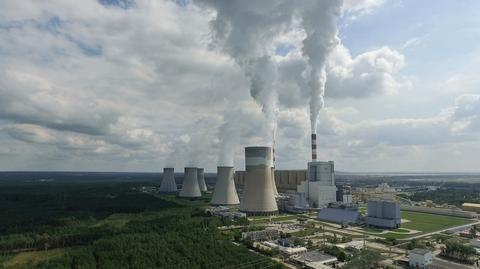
(308, 189)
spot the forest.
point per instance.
(109, 224)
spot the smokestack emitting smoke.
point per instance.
(246, 31)
(314, 147)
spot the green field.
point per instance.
(430, 223)
(425, 223)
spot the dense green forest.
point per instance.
(110, 225)
(450, 196)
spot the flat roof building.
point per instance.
(420, 258)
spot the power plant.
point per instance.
(258, 195)
(190, 186)
(168, 181)
(201, 179)
(225, 192)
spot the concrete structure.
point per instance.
(190, 187)
(168, 181)
(338, 215)
(474, 243)
(320, 187)
(258, 196)
(225, 192)
(201, 179)
(384, 214)
(284, 179)
(420, 258)
(344, 194)
(471, 207)
(314, 260)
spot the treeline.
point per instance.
(156, 232)
(449, 196)
(35, 207)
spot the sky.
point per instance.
(137, 85)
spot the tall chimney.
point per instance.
(314, 147)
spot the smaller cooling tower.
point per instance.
(225, 192)
(258, 196)
(168, 182)
(201, 179)
(190, 187)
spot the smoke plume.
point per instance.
(319, 23)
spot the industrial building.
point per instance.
(258, 195)
(320, 188)
(344, 194)
(201, 179)
(420, 258)
(168, 181)
(338, 215)
(225, 192)
(384, 214)
(285, 180)
(314, 260)
(471, 207)
(190, 187)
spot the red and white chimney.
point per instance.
(314, 147)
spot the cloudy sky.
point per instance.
(134, 85)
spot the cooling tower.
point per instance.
(258, 197)
(190, 187)
(201, 179)
(168, 182)
(225, 192)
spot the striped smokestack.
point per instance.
(314, 147)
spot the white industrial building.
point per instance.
(319, 187)
(384, 214)
(420, 258)
(168, 181)
(190, 187)
(225, 192)
(201, 179)
(258, 195)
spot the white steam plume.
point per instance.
(319, 23)
(245, 30)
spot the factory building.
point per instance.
(320, 187)
(258, 195)
(201, 179)
(344, 194)
(168, 181)
(225, 192)
(285, 180)
(190, 187)
(384, 214)
(339, 215)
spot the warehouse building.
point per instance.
(384, 214)
(339, 215)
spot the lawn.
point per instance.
(430, 223)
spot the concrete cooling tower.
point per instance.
(201, 179)
(190, 187)
(168, 182)
(258, 196)
(225, 192)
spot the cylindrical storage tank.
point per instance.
(258, 196)
(168, 181)
(201, 179)
(225, 192)
(190, 187)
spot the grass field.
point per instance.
(430, 223)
